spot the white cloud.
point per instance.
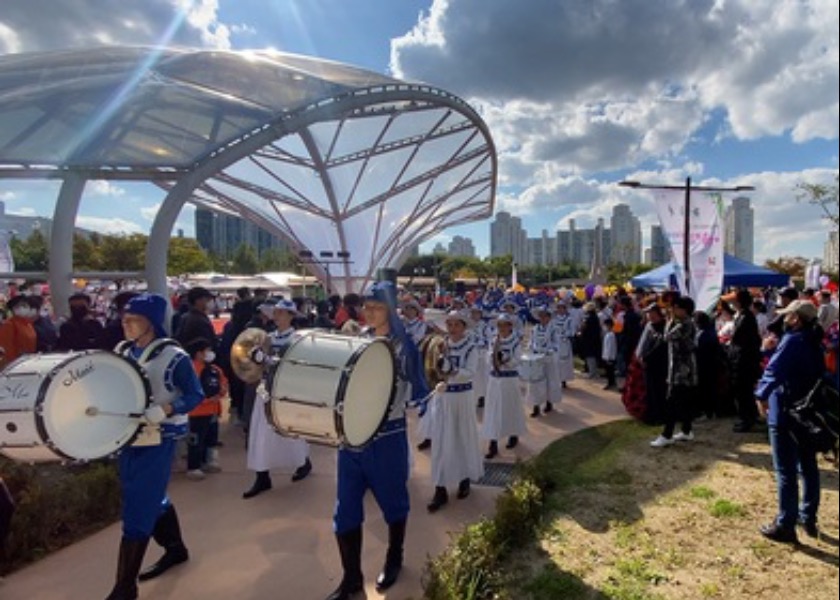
(103, 187)
(603, 85)
(31, 25)
(150, 212)
(23, 211)
(109, 225)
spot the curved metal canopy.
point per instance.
(331, 157)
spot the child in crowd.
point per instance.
(203, 452)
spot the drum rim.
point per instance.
(42, 393)
(344, 380)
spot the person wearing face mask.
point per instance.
(45, 329)
(17, 333)
(195, 323)
(203, 453)
(81, 331)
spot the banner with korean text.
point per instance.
(705, 242)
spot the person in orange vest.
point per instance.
(17, 334)
(203, 453)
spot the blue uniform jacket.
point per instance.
(792, 371)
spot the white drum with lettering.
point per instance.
(333, 389)
(532, 367)
(76, 406)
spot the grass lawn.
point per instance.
(628, 522)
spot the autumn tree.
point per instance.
(824, 196)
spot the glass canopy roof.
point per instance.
(328, 156)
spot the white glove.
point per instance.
(154, 414)
(440, 387)
(257, 355)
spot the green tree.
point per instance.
(824, 196)
(86, 255)
(244, 261)
(31, 254)
(276, 259)
(186, 256)
(123, 252)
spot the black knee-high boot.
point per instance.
(393, 558)
(350, 548)
(167, 533)
(128, 566)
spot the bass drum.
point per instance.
(532, 367)
(77, 406)
(333, 389)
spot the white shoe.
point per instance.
(684, 437)
(661, 442)
(196, 475)
(211, 467)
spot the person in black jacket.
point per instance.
(630, 333)
(195, 323)
(81, 331)
(45, 329)
(745, 362)
(708, 352)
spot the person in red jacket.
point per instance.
(203, 453)
(17, 334)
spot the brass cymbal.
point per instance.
(241, 353)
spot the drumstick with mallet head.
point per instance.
(94, 411)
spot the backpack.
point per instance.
(211, 383)
(814, 418)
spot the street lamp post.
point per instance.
(325, 259)
(687, 209)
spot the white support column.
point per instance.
(157, 248)
(61, 240)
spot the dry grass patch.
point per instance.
(630, 522)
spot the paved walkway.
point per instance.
(280, 545)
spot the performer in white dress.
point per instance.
(544, 341)
(503, 414)
(267, 449)
(478, 335)
(456, 454)
(564, 323)
(415, 326)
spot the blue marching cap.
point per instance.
(382, 291)
(151, 306)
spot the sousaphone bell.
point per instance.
(247, 354)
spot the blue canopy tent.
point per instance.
(736, 273)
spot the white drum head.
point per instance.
(112, 386)
(369, 393)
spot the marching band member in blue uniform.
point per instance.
(503, 414)
(456, 454)
(544, 341)
(145, 470)
(382, 465)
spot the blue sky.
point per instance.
(577, 94)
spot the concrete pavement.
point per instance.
(280, 544)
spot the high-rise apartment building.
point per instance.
(461, 246)
(508, 237)
(738, 230)
(626, 237)
(221, 234)
(660, 253)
